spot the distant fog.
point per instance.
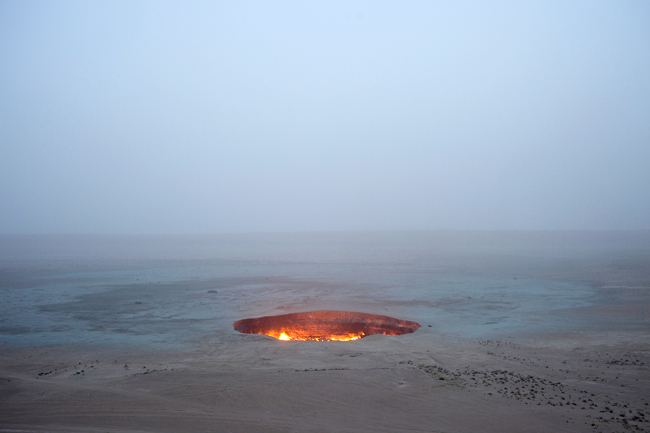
(226, 117)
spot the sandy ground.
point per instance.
(592, 379)
(420, 382)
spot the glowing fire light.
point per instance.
(284, 337)
(325, 326)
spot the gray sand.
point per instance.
(520, 332)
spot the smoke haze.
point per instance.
(223, 117)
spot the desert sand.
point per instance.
(376, 384)
(592, 376)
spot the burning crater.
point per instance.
(325, 326)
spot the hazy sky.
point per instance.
(192, 117)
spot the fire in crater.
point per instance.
(325, 326)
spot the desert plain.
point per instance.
(520, 332)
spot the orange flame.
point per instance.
(282, 335)
(325, 326)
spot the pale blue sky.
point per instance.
(193, 117)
